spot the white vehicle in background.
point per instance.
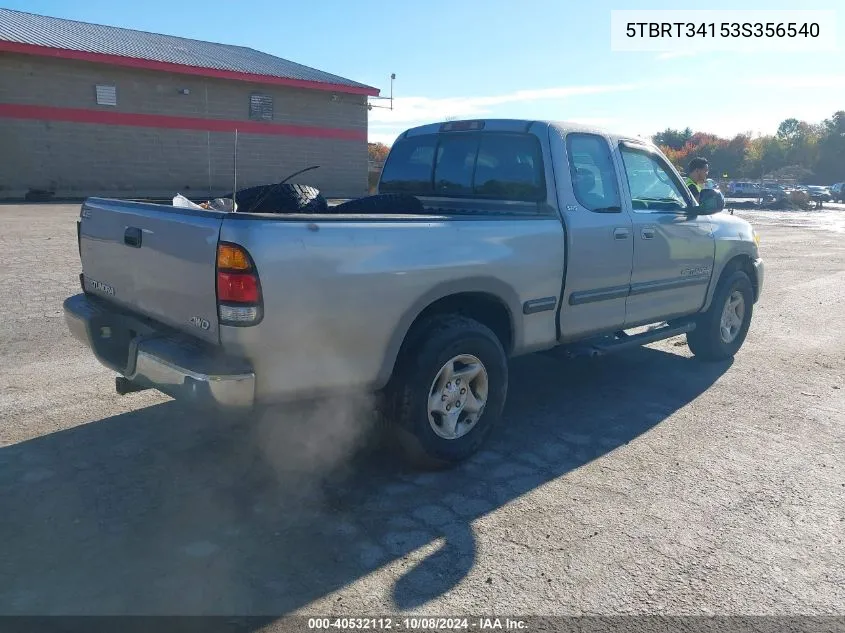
(837, 192)
(711, 184)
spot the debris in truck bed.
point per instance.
(217, 204)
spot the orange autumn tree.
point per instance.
(377, 152)
(725, 156)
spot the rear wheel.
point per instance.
(721, 331)
(448, 392)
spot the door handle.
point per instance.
(620, 234)
(132, 237)
(648, 234)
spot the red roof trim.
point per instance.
(106, 117)
(134, 62)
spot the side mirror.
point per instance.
(710, 201)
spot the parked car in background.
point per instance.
(837, 192)
(711, 184)
(775, 190)
(819, 193)
(744, 190)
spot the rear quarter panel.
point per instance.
(340, 294)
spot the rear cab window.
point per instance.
(485, 165)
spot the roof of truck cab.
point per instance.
(523, 125)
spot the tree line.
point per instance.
(808, 152)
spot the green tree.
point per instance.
(788, 129)
(674, 139)
(765, 154)
(730, 156)
(793, 172)
(799, 149)
(800, 142)
(830, 162)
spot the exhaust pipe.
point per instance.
(124, 385)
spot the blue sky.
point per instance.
(537, 59)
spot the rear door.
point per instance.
(155, 260)
(673, 251)
(599, 237)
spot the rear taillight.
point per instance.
(237, 288)
(239, 300)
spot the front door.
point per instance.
(673, 251)
(599, 235)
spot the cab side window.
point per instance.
(652, 185)
(592, 173)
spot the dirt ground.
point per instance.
(643, 483)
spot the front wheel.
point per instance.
(721, 331)
(448, 392)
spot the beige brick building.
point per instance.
(76, 120)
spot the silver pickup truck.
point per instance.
(491, 239)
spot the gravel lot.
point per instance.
(640, 483)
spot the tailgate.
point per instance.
(154, 260)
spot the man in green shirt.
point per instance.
(697, 171)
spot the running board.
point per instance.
(611, 344)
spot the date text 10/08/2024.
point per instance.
(417, 624)
(724, 29)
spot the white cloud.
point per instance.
(382, 137)
(425, 109)
(774, 99)
(386, 125)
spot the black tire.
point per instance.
(706, 341)
(284, 198)
(382, 203)
(407, 412)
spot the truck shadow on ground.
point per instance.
(163, 511)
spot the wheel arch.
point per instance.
(738, 261)
(488, 301)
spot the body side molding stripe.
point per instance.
(668, 284)
(601, 294)
(539, 305)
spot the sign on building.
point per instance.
(261, 107)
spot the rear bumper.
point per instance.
(153, 357)
(760, 271)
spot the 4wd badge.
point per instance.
(201, 323)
